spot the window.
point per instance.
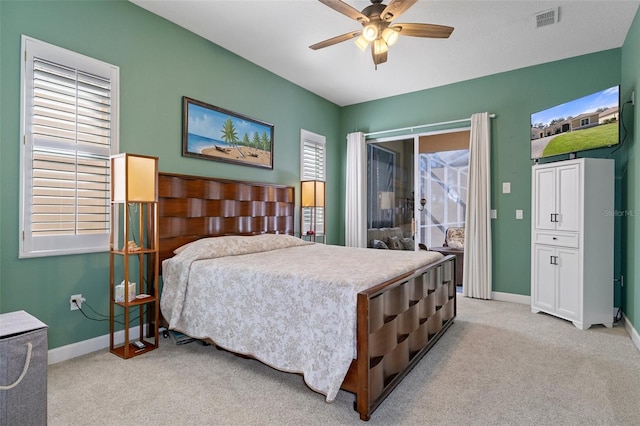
(312, 167)
(69, 128)
(313, 159)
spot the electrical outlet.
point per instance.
(75, 302)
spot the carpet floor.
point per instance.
(498, 364)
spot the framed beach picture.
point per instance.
(214, 133)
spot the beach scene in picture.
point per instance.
(227, 137)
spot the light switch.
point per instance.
(506, 187)
(494, 214)
(518, 214)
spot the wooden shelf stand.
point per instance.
(134, 256)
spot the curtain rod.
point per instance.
(462, 120)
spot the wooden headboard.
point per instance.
(193, 207)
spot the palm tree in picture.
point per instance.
(255, 141)
(247, 142)
(230, 136)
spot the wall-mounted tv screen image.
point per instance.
(578, 125)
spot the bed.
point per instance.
(234, 274)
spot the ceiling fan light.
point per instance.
(380, 46)
(390, 36)
(362, 43)
(370, 32)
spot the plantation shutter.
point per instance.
(70, 120)
(313, 167)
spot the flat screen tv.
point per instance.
(585, 123)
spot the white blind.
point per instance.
(70, 131)
(70, 193)
(71, 147)
(313, 157)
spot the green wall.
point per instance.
(512, 96)
(631, 179)
(159, 63)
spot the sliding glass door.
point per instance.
(439, 171)
(390, 185)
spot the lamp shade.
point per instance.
(312, 193)
(370, 32)
(362, 43)
(134, 178)
(380, 46)
(390, 36)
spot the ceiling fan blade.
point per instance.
(395, 9)
(424, 30)
(335, 40)
(345, 9)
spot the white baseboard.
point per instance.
(635, 337)
(84, 347)
(526, 300)
(511, 297)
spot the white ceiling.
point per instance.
(489, 37)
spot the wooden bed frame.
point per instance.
(398, 321)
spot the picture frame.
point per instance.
(213, 133)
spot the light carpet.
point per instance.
(498, 364)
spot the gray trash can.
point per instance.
(23, 370)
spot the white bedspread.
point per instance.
(288, 303)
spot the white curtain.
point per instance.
(477, 241)
(356, 190)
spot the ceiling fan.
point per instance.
(378, 29)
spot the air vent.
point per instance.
(547, 17)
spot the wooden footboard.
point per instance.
(398, 322)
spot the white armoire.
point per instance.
(572, 240)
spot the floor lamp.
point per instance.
(134, 193)
(312, 197)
